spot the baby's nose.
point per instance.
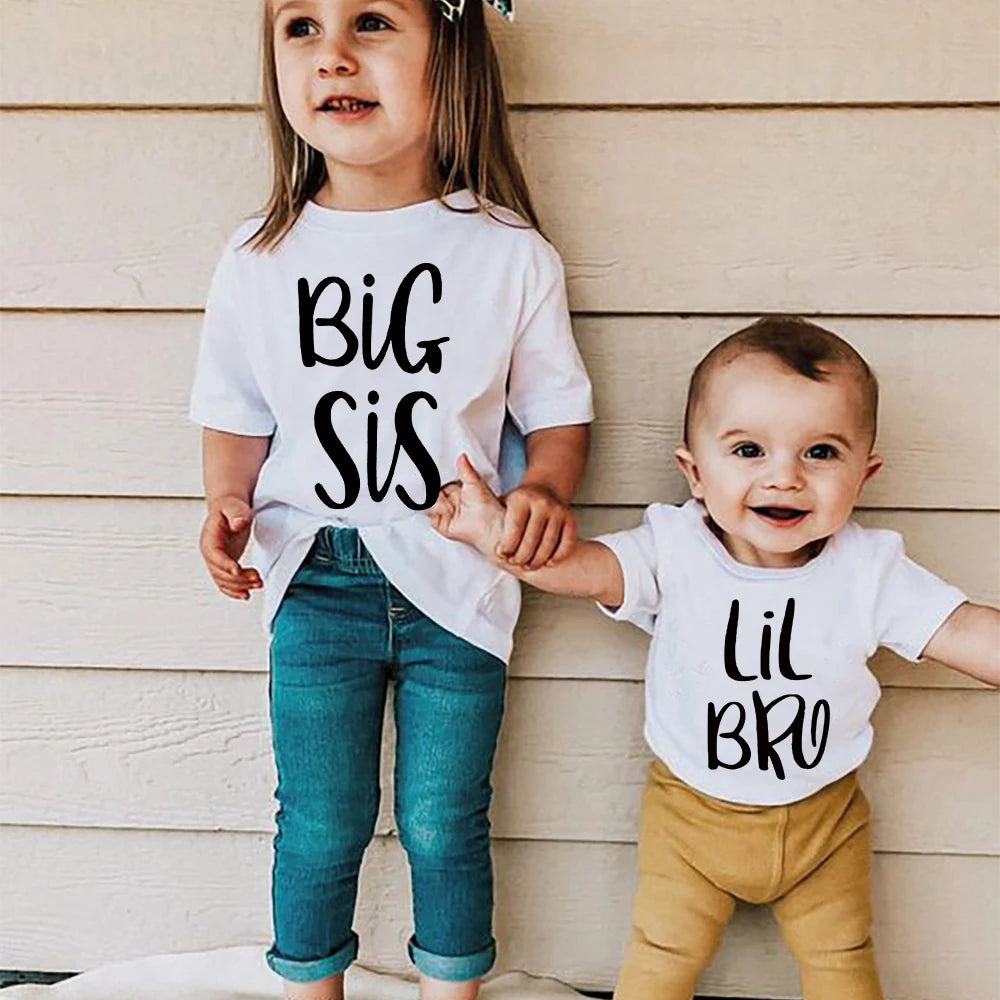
(784, 474)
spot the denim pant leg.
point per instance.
(448, 705)
(329, 674)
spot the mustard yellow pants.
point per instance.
(810, 861)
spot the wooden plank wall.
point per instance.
(697, 164)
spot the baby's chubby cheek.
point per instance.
(726, 511)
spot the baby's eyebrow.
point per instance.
(832, 436)
(838, 438)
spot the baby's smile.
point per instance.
(781, 516)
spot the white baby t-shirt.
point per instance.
(757, 684)
(376, 347)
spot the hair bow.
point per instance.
(452, 9)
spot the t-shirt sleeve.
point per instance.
(225, 394)
(548, 384)
(911, 603)
(636, 551)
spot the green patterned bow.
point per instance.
(453, 8)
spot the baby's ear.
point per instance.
(874, 464)
(690, 469)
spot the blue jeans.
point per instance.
(341, 635)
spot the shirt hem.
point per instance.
(628, 610)
(544, 419)
(716, 791)
(913, 650)
(498, 642)
(248, 428)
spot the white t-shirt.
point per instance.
(757, 684)
(369, 335)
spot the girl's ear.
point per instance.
(690, 469)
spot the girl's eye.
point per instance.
(372, 22)
(748, 450)
(298, 27)
(822, 451)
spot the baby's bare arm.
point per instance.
(969, 641)
(469, 512)
(589, 570)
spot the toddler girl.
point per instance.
(764, 600)
(391, 306)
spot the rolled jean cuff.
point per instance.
(453, 969)
(317, 968)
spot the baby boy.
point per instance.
(764, 601)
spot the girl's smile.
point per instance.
(347, 108)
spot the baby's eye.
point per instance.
(298, 27)
(748, 450)
(372, 22)
(822, 451)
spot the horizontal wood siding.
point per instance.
(655, 211)
(112, 894)
(645, 51)
(139, 749)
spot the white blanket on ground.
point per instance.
(241, 974)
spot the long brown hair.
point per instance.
(471, 145)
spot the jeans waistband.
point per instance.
(344, 548)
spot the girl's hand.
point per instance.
(468, 511)
(539, 528)
(224, 536)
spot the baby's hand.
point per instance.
(224, 536)
(468, 511)
(538, 528)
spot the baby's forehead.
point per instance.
(758, 385)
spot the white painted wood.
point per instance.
(92, 896)
(191, 751)
(562, 51)
(784, 51)
(654, 211)
(100, 403)
(119, 583)
(684, 222)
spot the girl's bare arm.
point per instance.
(231, 464)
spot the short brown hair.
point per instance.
(796, 343)
(471, 143)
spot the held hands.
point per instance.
(538, 529)
(468, 511)
(224, 536)
(532, 527)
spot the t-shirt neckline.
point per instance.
(695, 511)
(376, 221)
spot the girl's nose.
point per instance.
(336, 57)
